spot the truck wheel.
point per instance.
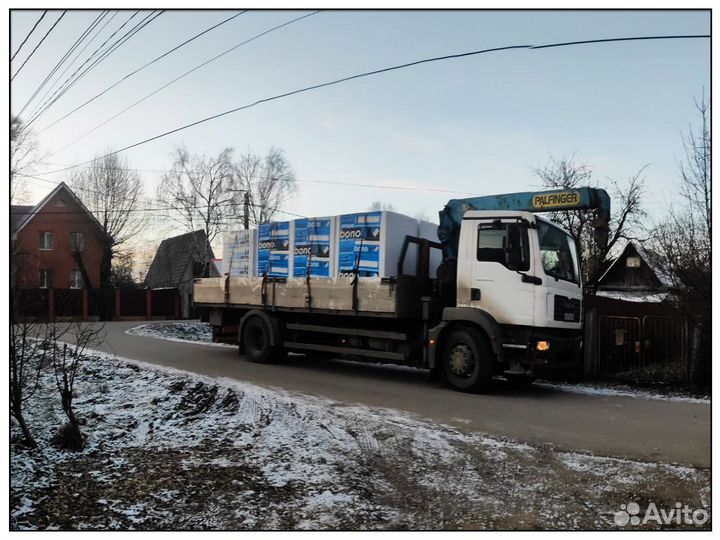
(467, 361)
(256, 341)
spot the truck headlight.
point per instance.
(542, 346)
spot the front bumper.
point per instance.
(521, 355)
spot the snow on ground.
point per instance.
(181, 331)
(199, 332)
(621, 390)
(168, 449)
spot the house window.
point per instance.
(76, 280)
(46, 279)
(77, 241)
(46, 240)
(632, 262)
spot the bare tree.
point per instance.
(683, 242)
(66, 359)
(269, 180)
(28, 353)
(114, 194)
(200, 193)
(122, 270)
(377, 206)
(625, 221)
(24, 157)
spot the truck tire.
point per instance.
(468, 361)
(256, 341)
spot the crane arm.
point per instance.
(584, 198)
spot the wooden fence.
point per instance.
(85, 304)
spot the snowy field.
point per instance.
(172, 450)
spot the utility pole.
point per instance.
(246, 210)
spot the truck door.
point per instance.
(494, 281)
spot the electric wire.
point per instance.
(61, 62)
(147, 96)
(29, 34)
(38, 45)
(372, 73)
(196, 36)
(51, 87)
(103, 55)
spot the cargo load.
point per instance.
(274, 253)
(315, 247)
(239, 253)
(369, 243)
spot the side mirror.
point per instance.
(513, 258)
(513, 252)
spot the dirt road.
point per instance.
(644, 429)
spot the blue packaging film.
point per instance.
(312, 247)
(360, 231)
(273, 255)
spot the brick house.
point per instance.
(55, 244)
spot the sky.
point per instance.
(473, 125)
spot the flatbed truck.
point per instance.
(506, 299)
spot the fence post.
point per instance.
(84, 304)
(51, 304)
(148, 304)
(118, 310)
(694, 365)
(590, 345)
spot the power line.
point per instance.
(104, 54)
(178, 78)
(299, 181)
(368, 74)
(38, 45)
(151, 209)
(29, 34)
(143, 67)
(88, 59)
(112, 48)
(103, 15)
(61, 61)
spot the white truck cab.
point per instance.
(518, 277)
(521, 269)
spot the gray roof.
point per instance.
(170, 265)
(651, 258)
(19, 213)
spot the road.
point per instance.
(644, 429)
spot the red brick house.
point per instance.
(55, 244)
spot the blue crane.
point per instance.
(584, 198)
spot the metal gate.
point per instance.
(618, 344)
(664, 341)
(630, 343)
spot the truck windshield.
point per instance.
(558, 254)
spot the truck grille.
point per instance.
(566, 309)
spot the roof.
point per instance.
(652, 259)
(170, 265)
(635, 296)
(18, 213)
(649, 257)
(25, 214)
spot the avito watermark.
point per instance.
(681, 514)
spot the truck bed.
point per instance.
(373, 295)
